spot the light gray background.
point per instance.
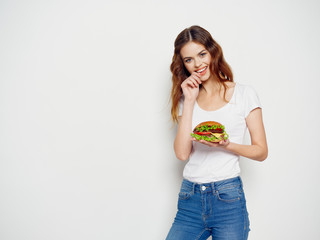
(85, 136)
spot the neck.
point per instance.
(212, 86)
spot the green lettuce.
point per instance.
(206, 128)
(211, 138)
(203, 137)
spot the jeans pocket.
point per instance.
(186, 190)
(229, 194)
(183, 194)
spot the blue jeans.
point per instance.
(215, 209)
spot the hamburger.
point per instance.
(210, 131)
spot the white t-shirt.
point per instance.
(207, 164)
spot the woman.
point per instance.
(211, 199)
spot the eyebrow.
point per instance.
(198, 53)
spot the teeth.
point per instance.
(202, 70)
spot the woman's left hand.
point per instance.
(222, 143)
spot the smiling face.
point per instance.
(196, 58)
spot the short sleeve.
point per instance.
(180, 106)
(251, 100)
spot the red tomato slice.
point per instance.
(203, 133)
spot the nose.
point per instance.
(197, 62)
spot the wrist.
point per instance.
(229, 146)
(189, 102)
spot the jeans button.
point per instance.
(203, 188)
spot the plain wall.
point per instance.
(85, 132)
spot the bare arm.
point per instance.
(183, 142)
(258, 150)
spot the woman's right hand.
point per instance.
(190, 86)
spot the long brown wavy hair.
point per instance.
(218, 66)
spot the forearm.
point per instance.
(183, 142)
(254, 151)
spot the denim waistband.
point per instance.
(211, 187)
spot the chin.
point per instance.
(205, 77)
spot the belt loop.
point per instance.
(213, 188)
(193, 187)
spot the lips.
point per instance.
(202, 71)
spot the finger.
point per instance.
(196, 74)
(186, 83)
(193, 78)
(224, 143)
(197, 77)
(198, 81)
(210, 144)
(192, 82)
(195, 82)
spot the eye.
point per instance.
(188, 60)
(203, 54)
